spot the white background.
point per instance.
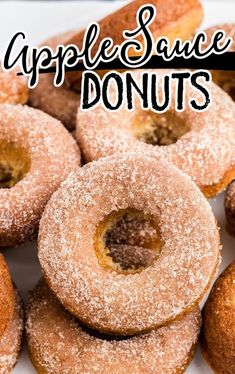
(40, 20)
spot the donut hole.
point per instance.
(231, 92)
(127, 241)
(159, 129)
(14, 164)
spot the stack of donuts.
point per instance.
(127, 241)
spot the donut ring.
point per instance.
(13, 89)
(175, 19)
(225, 79)
(76, 257)
(200, 144)
(218, 330)
(11, 341)
(66, 347)
(36, 155)
(60, 102)
(6, 296)
(230, 208)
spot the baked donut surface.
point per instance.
(60, 102)
(13, 89)
(191, 140)
(36, 155)
(64, 346)
(218, 329)
(225, 79)
(6, 296)
(63, 102)
(124, 202)
(175, 19)
(11, 341)
(230, 208)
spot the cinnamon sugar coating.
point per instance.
(218, 330)
(37, 154)
(63, 102)
(6, 296)
(175, 281)
(175, 19)
(11, 341)
(225, 79)
(60, 102)
(65, 347)
(228, 28)
(205, 149)
(13, 89)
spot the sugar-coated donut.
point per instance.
(60, 102)
(6, 296)
(218, 330)
(200, 144)
(225, 79)
(64, 346)
(230, 208)
(175, 19)
(36, 155)
(11, 341)
(136, 202)
(13, 89)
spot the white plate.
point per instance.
(40, 20)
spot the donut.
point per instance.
(175, 19)
(13, 89)
(225, 79)
(6, 296)
(230, 208)
(218, 329)
(200, 144)
(36, 155)
(65, 346)
(132, 201)
(11, 341)
(60, 102)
